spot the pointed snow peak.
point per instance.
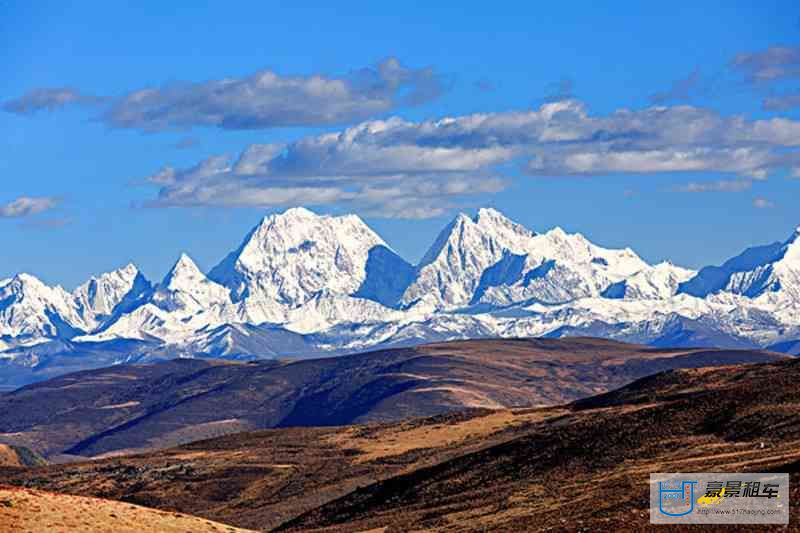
(559, 237)
(293, 213)
(579, 240)
(503, 231)
(792, 246)
(101, 296)
(462, 218)
(495, 220)
(184, 271)
(127, 273)
(289, 218)
(300, 212)
(490, 213)
(794, 236)
(23, 279)
(186, 265)
(292, 255)
(448, 233)
(130, 269)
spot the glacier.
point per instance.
(302, 284)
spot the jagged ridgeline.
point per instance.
(302, 284)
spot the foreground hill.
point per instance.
(583, 465)
(261, 479)
(139, 407)
(32, 510)
(589, 469)
(19, 456)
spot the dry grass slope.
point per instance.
(33, 511)
(137, 408)
(579, 465)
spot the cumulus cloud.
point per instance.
(260, 101)
(48, 100)
(774, 63)
(397, 168)
(782, 102)
(763, 203)
(25, 206)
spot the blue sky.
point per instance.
(81, 189)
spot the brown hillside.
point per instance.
(33, 510)
(581, 466)
(124, 409)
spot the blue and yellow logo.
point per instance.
(676, 494)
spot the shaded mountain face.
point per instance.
(111, 294)
(450, 271)
(652, 283)
(475, 470)
(788, 347)
(490, 259)
(31, 311)
(313, 284)
(184, 302)
(774, 268)
(139, 407)
(289, 258)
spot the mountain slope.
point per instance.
(710, 420)
(184, 302)
(33, 510)
(657, 282)
(109, 295)
(29, 309)
(450, 271)
(757, 272)
(18, 456)
(491, 260)
(477, 470)
(130, 407)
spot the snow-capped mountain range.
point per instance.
(302, 284)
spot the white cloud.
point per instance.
(389, 165)
(260, 101)
(782, 102)
(27, 206)
(49, 99)
(774, 63)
